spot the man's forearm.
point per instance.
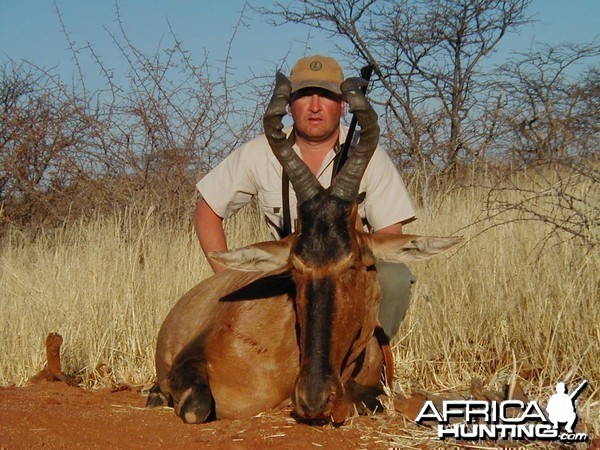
(209, 229)
(395, 228)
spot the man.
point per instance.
(252, 170)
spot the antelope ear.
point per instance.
(406, 247)
(261, 257)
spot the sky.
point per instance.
(31, 30)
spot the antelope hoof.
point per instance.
(156, 398)
(195, 405)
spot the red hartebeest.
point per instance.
(295, 317)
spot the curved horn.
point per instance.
(346, 183)
(305, 183)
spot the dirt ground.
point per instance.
(56, 415)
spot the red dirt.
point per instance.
(61, 415)
(56, 415)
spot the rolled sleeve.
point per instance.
(230, 185)
(387, 200)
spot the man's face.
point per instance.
(316, 113)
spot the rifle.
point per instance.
(577, 390)
(341, 158)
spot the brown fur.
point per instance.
(250, 346)
(241, 332)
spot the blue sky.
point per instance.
(31, 30)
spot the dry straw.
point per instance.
(500, 308)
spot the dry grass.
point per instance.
(497, 308)
(105, 285)
(508, 306)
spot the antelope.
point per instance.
(295, 317)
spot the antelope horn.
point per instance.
(346, 183)
(305, 183)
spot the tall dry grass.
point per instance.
(498, 307)
(515, 303)
(105, 285)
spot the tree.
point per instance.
(426, 55)
(44, 132)
(144, 140)
(550, 125)
(547, 114)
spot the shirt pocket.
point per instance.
(270, 204)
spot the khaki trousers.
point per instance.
(395, 281)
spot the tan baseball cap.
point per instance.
(317, 71)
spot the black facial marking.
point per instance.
(325, 236)
(319, 320)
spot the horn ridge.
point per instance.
(305, 183)
(346, 183)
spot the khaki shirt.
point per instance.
(252, 170)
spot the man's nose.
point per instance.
(315, 103)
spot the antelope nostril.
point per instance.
(315, 405)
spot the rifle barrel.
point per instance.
(365, 73)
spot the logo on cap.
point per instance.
(315, 66)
